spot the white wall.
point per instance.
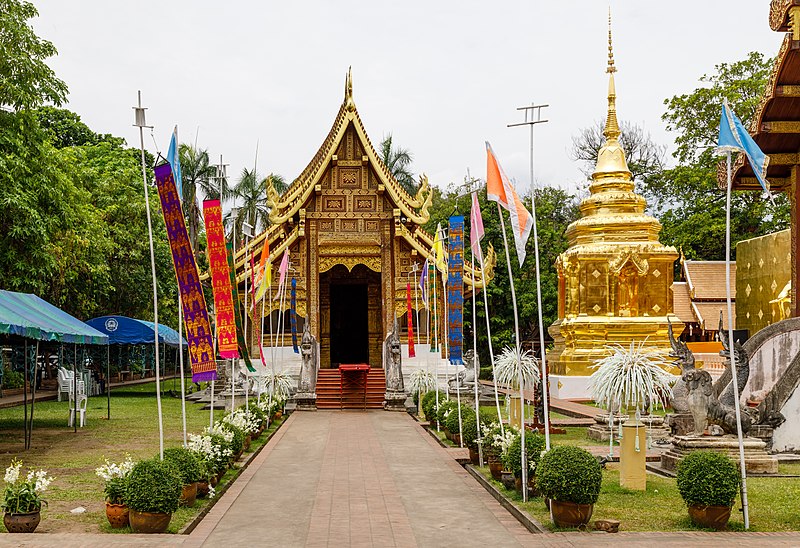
(770, 361)
(787, 436)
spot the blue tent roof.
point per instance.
(125, 330)
(27, 315)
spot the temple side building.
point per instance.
(356, 240)
(615, 279)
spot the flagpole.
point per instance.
(436, 358)
(519, 360)
(141, 124)
(489, 339)
(734, 381)
(180, 361)
(446, 338)
(475, 367)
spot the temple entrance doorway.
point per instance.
(349, 334)
(351, 329)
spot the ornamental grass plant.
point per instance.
(707, 478)
(569, 474)
(23, 495)
(511, 367)
(154, 486)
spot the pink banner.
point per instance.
(220, 280)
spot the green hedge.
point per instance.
(534, 445)
(429, 403)
(154, 486)
(706, 478)
(569, 474)
(190, 467)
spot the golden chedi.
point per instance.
(615, 279)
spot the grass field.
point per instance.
(71, 458)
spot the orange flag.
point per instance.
(499, 189)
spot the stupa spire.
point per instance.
(611, 157)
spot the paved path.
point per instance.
(369, 479)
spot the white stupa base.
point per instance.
(566, 387)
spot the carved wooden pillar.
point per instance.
(795, 241)
(387, 279)
(312, 277)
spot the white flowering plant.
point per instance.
(115, 475)
(213, 448)
(23, 496)
(244, 420)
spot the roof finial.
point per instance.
(349, 104)
(611, 130)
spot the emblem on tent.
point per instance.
(111, 324)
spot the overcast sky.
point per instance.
(441, 76)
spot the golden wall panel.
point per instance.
(763, 268)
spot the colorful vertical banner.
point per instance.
(195, 313)
(220, 280)
(455, 288)
(411, 352)
(244, 352)
(255, 315)
(433, 308)
(293, 315)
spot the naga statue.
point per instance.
(392, 363)
(464, 379)
(703, 403)
(685, 360)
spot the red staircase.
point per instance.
(352, 395)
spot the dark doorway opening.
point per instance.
(349, 324)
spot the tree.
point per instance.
(64, 128)
(644, 156)
(398, 160)
(251, 195)
(695, 116)
(25, 79)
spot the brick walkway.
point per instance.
(369, 479)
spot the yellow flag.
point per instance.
(439, 253)
(266, 281)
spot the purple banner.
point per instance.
(195, 313)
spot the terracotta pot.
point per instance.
(507, 478)
(457, 439)
(474, 457)
(149, 522)
(518, 484)
(214, 480)
(202, 489)
(277, 415)
(569, 514)
(711, 517)
(188, 494)
(495, 467)
(117, 515)
(22, 523)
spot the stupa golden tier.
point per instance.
(615, 279)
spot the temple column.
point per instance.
(795, 241)
(312, 277)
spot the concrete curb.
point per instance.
(527, 521)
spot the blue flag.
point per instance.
(174, 160)
(733, 135)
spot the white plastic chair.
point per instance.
(64, 382)
(81, 407)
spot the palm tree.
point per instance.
(250, 194)
(398, 160)
(200, 182)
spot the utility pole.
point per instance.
(533, 117)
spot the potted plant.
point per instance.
(191, 471)
(469, 432)
(260, 418)
(442, 412)
(571, 478)
(708, 483)
(214, 451)
(22, 498)
(632, 378)
(152, 492)
(244, 421)
(492, 435)
(429, 407)
(534, 446)
(503, 442)
(115, 475)
(452, 425)
(517, 370)
(421, 382)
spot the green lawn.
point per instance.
(773, 504)
(71, 458)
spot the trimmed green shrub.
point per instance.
(429, 403)
(154, 486)
(259, 413)
(452, 419)
(707, 478)
(534, 445)
(445, 407)
(569, 474)
(187, 463)
(237, 444)
(12, 379)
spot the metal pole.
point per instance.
(475, 366)
(108, 380)
(437, 357)
(489, 339)
(519, 361)
(180, 363)
(75, 390)
(233, 360)
(745, 506)
(140, 123)
(529, 121)
(33, 394)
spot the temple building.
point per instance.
(355, 240)
(615, 279)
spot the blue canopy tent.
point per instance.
(30, 317)
(125, 330)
